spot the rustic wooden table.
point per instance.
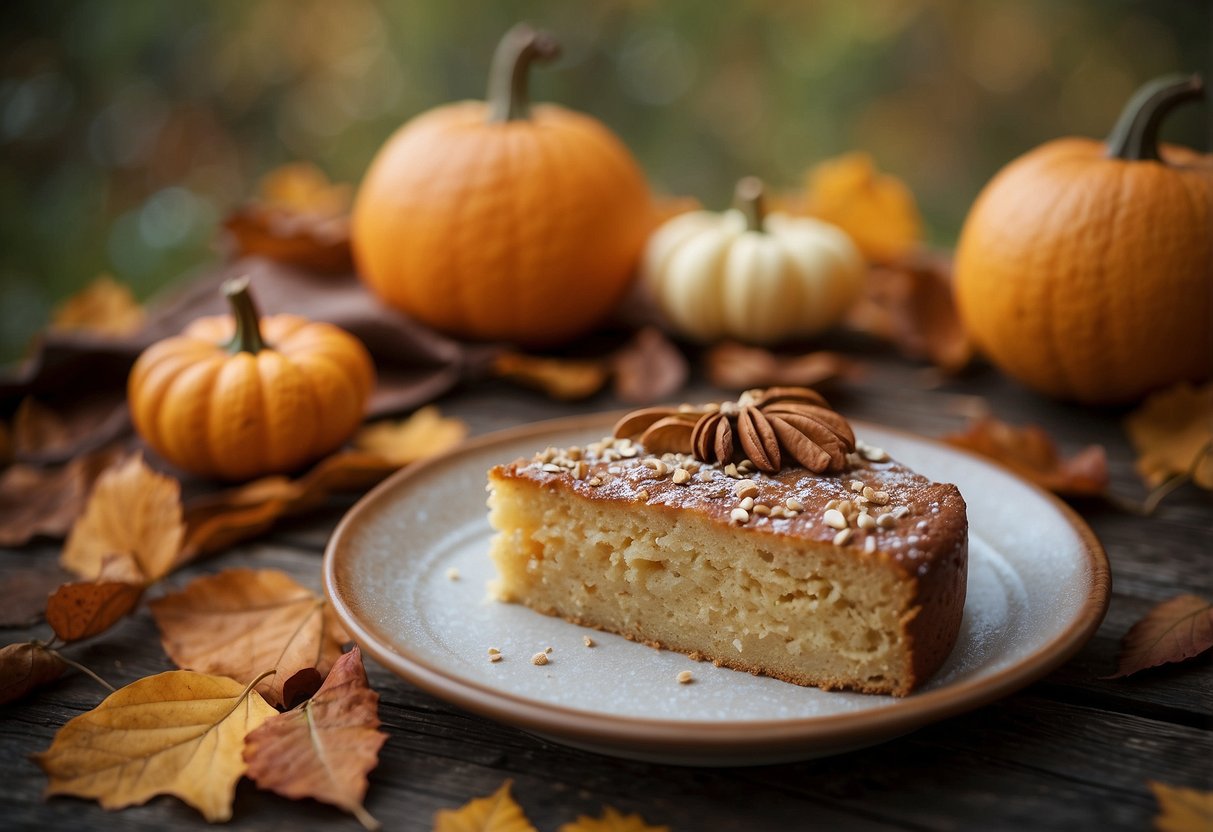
(1072, 751)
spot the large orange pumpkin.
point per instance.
(241, 396)
(499, 220)
(1085, 268)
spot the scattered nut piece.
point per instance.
(495, 657)
(681, 476)
(835, 519)
(865, 521)
(746, 488)
(857, 486)
(793, 504)
(539, 659)
(886, 521)
(762, 509)
(587, 641)
(705, 475)
(843, 537)
(452, 574)
(747, 503)
(739, 516)
(686, 677)
(595, 481)
(731, 471)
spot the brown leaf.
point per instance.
(1172, 432)
(1173, 631)
(876, 210)
(325, 748)
(177, 733)
(46, 501)
(1182, 810)
(564, 379)
(133, 513)
(242, 622)
(1031, 453)
(909, 303)
(648, 368)
(219, 520)
(611, 821)
(25, 668)
(301, 687)
(496, 813)
(104, 307)
(300, 218)
(37, 428)
(81, 610)
(426, 433)
(734, 366)
(25, 590)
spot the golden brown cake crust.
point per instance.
(924, 530)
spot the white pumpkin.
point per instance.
(755, 278)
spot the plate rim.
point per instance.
(665, 735)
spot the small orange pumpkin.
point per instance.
(497, 220)
(242, 396)
(1085, 268)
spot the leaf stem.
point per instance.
(80, 667)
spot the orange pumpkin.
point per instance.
(238, 397)
(1085, 268)
(497, 220)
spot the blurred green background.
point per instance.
(129, 128)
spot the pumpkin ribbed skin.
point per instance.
(238, 416)
(526, 230)
(1090, 278)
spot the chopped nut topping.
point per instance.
(685, 677)
(595, 481)
(587, 641)
(869, 545)
(539, 659)
(762, 509)
(857, 486)
(865, 521)
(794, 504)
(642, 494)
(452, 574)
(832, 504)
(580, 470)
(835, 518)
(746, 488)
(552, 469)
(899, 512)
(739, 516)
(681, 476)
(843, 537)
(747, 503)
(886, 521)
(705, 475)
(730, 470)
(495, 657)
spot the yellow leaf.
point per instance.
(1172, 433)
(303, 188)
(425, 433)
(243, 621)
(104, 307)
(611, 821)
(133, 514)
(877, 210)
(1182, 810)
(177, 733)
(496, 813)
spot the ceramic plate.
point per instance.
(407, 571)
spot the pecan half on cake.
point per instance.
(758, 534)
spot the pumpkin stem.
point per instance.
(748, 199)
(509, 96)
(1135, 136)
(248, 321)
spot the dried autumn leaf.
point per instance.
(910, 304)
(325, 748)
(564, 379)
(496, 813)
(426, 433)
(648, 368)
(1173, 631)
(734, 366)
(27, 667)
(300, 217)
(133, 513)
(81, 610)
(103, 307)
(1182, 810)
(216, 521)
(242, 622)
(47, 501)
(611, 821)
(178, 733)
(877, 210)
(1032, 454)
(1172, 433)
(37, 428)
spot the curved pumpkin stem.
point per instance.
(748, 198)
(509, 94)
(1135, 136)
(248, 321)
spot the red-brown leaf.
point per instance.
(46, 501)
(564, 379)
(81, 610)
(1173, 631)
(26, 667)
(1031, 453)
(648, 368)
(733, 366)
(325, 748)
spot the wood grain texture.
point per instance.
(1073, 751)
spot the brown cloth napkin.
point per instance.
(83, 376)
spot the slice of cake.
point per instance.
(758, 535)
